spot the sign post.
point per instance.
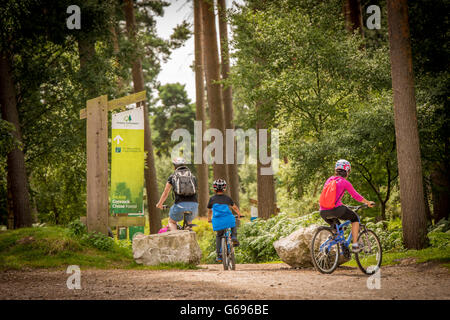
(96, 112)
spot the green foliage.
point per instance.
(439, 234)
(301, 71)
(439, 239)
(390, 234)
(93, 239)
(98, 241)
(56, 247)
(257, 238)
(175, 112)
(206, 238)
(77, 228)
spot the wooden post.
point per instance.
(96, 112)
(97, 164)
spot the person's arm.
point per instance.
(164, 196)
(209, 215)
(355, 195)
(236, 209)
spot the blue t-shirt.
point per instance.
(222, 217)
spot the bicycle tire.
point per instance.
(232, 259)
(317, 261)
(224, 253)
(379, 258)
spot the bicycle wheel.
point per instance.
(324, 253)
(369, 259)
(231, 258)
(224, 253)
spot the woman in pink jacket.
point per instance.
(340, 211)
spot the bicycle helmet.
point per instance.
(178, 162)
(343, 164)
(219, 185)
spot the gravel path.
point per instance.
(250, 281)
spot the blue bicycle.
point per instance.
(227, 250)
(329, 244)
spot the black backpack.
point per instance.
(183, 182)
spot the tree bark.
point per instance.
(16, 171)
(353, 16)
(227, 97)
(86, 52)
(440, 189)
(426, 200)
(200, 114)
(407, 136)
(265, 183)
(151, 185)
(211, 53)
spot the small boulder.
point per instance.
(169, 247)
(295, 249)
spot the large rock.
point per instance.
(295, 249)
(168, 247)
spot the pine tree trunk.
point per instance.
(407, 137)
(353, 16)
(200, 114)
(265, 183)
(86, 52)
(150, 172)
(227, 97)
(16, 171)
(440, 190)
(212, 67)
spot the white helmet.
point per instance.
(178, 161)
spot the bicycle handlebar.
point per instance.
(356, 208)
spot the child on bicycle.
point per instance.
(339, 211)
(219, 213)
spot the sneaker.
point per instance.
(235, 242)
(356, 247)
(219, 258)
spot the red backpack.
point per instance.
(328, 196)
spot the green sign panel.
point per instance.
(127, 162)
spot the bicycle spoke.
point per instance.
(324, 253)
(371, 252)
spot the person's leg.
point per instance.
(330, 217)
(355, 231)
(174, 217)
(234, 239)
(347, 214)
(219, 235)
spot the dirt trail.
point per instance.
(250, 281)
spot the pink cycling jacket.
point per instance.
(343, 185)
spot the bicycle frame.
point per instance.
(227, 236)
(340, 237)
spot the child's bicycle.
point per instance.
(185, 225)
(227, 250)
(328, 244)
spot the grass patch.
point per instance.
(57, 247)
(440, 255)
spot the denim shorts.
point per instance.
(176, 211)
